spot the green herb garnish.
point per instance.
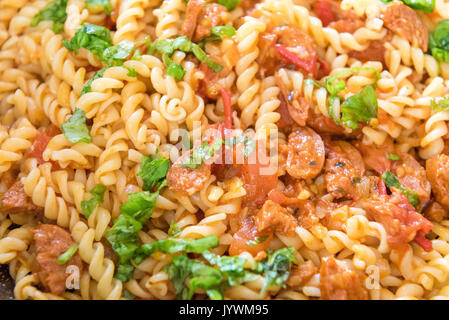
(66, 256)
(97, 198)
(75, 128)
(54, 11)
(392, 182)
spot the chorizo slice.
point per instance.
(52, 241)
(274, 217)
(343, 170)
(187, 180)
(435, 212)
(306, 154)
(211, 15)
(248, 238)
(15, 200)
(437, 170)
(339, 282)
(374, 52)
(405, 22)
(194, 8)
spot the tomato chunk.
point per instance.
(41, 141)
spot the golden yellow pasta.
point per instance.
(253, 149)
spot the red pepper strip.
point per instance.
(307, 65)
(422, 241)
(226, 96)
(323, 10)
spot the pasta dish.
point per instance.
(225, 149)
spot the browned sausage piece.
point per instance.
(339, 282)
(435, 212)
(344, 169)
(412, 175)
(274, 217)
(194, 8)
(301, 274)
(211, 16)
(437, 170)
(300, 42)
(374, 52)
(187, 180)
(306, 154)
(406, 23)
(51, 242)
(15, 200)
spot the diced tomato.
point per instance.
(258, 180)
(323, 10)
(41, 141)
(308, 65)
(426, 225)
(422, 241)
(399, 219)
(226, 96)
(324, 68)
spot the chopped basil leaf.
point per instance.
(176, 245)
(173, 69)
(229, 4)
(393, 156)
(217, 34)
(75, 128)
(167, 47)
(231, 267)
(439, 41)
(361, 107)
(391, 181)
(153, 171)
(123, 234)
(425, 5)
(137, 55)
(131, 72)
(202, 153)
(87, 87)
(201, 277)
(128, 295)
(66, 256)
(97, 6)
(97, 198)
(94, 38)
(440, 105)
(257, 241)
(313, 82)
(276, 267)
(54, 11)
(174, 230)
(114, 55)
